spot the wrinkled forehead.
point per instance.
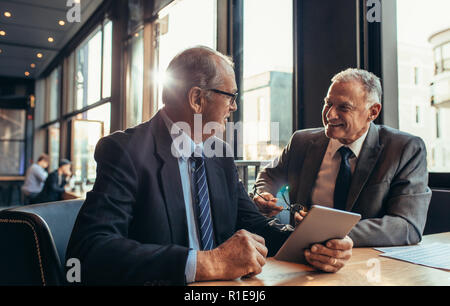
(352, 90)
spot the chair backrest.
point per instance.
(438, 218)
(33, 242)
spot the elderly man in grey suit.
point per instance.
(354, 165)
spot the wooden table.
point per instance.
(77, 194)
(12, 178)
(70, 195)
(361, 270)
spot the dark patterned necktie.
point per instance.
(343, 179)
(203, 206)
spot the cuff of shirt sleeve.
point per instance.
(191, 266)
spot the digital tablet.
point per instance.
(320, 225)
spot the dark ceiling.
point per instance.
(28, 29)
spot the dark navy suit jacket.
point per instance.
(132, 228)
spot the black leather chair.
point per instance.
(33, 242)
(438, 218)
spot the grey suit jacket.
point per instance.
(389, 185)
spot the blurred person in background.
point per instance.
(54, 185)
(35, 178)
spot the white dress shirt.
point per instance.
(323, 190)
(186, 166)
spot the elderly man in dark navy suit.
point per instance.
(160, 213)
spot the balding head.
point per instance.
(198, 66)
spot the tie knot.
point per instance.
(198, 160)
(345, 152)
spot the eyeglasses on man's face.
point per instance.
(232, 95)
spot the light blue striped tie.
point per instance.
(202, 199)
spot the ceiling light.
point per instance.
(7, 14)
(33, 65)
(39, 55)
(27, 73)
(50, 39)
(2, 33)
(61, 22)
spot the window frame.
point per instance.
(63, 79)
(381, 38)
(16, 140)
(99, 28)
(67, 90)
(235, 44)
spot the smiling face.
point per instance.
(346, 115)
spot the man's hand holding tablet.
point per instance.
(332, 256)
(320, 238)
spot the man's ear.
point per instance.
(195, 99)
(374, 111)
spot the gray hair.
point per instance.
(370, 82)
(197, 66)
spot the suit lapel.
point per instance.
(311, 166)
(170, 180)
(368, 157)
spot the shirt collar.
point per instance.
(175, 131)
(355, 146)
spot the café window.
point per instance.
(53, 146)
(39, 111)
(88, 71)
(425, 42)
(85, 78)
(135, 79)
(53, 92)
(86, 130)
(69, 84)
(12, 142)
(266, 99)
(199, 17)
(107, 59)
(92, 62)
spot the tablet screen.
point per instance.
(319, 225)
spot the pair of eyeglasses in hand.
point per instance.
(293, 208)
